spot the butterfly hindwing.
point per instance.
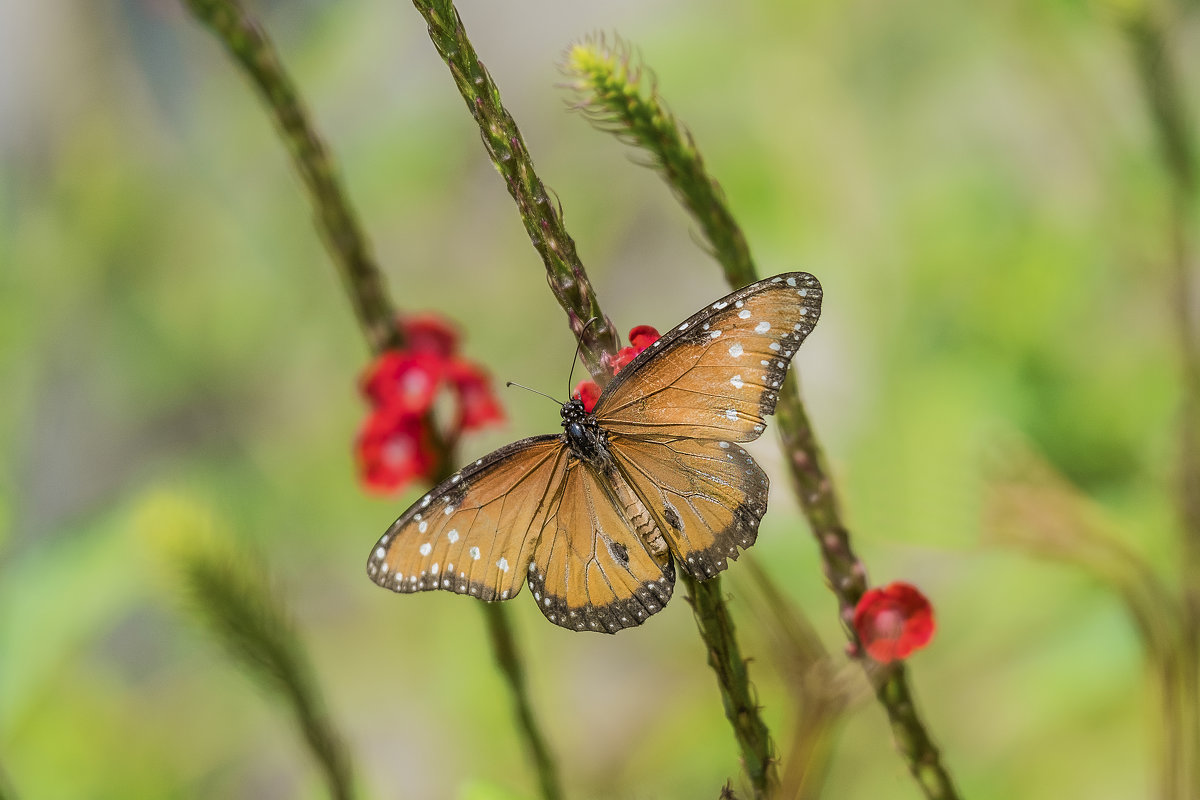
(707, 495)
(718, 374)
(475, 532)
(593, 568)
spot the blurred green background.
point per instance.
(975, 184)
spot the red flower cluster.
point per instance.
(893, 622)
(640, 338)
(393, 445)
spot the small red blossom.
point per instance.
(477, 406)
(403, 378)
(587, 392)
(394, 446)
(392, 449)
(893, 622)
(623, 357)
(642, 337)
(429, 333)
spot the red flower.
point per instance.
(395, 446)
(429, 333)
(642, 337)
(477, 406)
(587, 392)
(623, 357)
(406, 379)
(893, 622)
(392, 449)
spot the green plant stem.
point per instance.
(569, 282)
(232, 594)
(610, 92)
(250, 46)
(741, 708)
(539, 211)
(1155, 63)
(509, 661)
(821, 693)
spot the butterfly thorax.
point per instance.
(587, 440)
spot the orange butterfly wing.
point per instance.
(676, 412)
(718, 374)
(594, 568)
(708, 496)
(474, 533)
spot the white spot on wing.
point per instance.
(774, 345)
(502, 564)
(736, 350)
(379, 552)
(474, 551)
(452, 535)
(744, 313)
(762, 327)
(426, 549)
(423, 526)
(737, 381)
(731, 413)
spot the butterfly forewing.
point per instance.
(593, 569)
(718, 374)
(708, 496)
(474, 533)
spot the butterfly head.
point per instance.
(573, 411)
(587, 441)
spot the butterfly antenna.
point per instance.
(578, 347)
(535, 391)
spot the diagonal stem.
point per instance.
(510, 663)
(540, 212)
(1155, 61)
(248, 43)
(610, 93)
(737, 697)
(569, 282)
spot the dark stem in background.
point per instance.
(248, 43)
(608, 86)
(570, 284)
(499, 629)
(231, 592)
(1155, 62)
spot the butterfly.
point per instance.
(595, 518)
